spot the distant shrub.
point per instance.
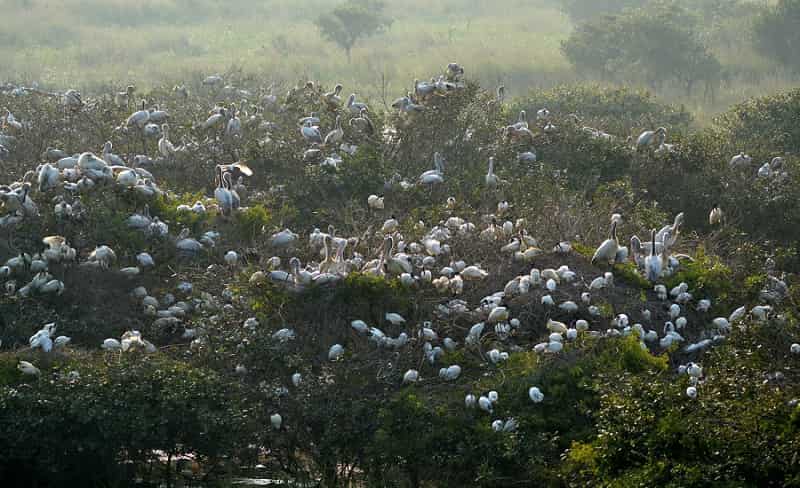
(618, 111)
(775, 32)
(654, 45)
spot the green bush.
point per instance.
(99, 420)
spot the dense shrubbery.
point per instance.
(613, 413)
(98, 421)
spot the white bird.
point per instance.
(360, 326)
(411, 376)
(231, 258)
(276, 420)
(48, 177)
(335, 352)
(491, 179)
(607, 251)
(450, 373)
(140, 118)
(28, 368)
(311, 133)
(650, 138)
(375, 202)
(535, 394)
(283, 238)
(145, 260)
(740, 160)
(694, 370)
(691, 392)
(652, 262)
(715, 216)
(111, 345)
(395, 318)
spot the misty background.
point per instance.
(524, 44)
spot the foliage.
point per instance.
(659, 42)
(706, 276)
(82, 417)
(352, 21)
(614, 413)
(614, 110)
(651, 431)
(775, 32)
(580, 10)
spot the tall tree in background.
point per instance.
(351, 21)
(655, 44)
(777, 35)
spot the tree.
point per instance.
(351, 21)
(652, 44)
(776, 34)
(580, 10)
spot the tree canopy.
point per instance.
(776, 34)
(354, 20)
(654, 45)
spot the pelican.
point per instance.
(652, 262)
(491, 179)
(522, 121)
(335, 352)
(356, 108)
(124, 99)
(607, 251)
(110, 157)
(187, 246)
(127, 178)
(283, 238)
(215, 120)
(223, 195)
(362, 123)
(651, 138)
(454, 72)
(333, 99)
(231, 258)
(715, 216)
(406, 105)
(410, 376)
(72, 100)
(740, 160)
(335, 135)
(311, 133)
(28, 368)
(435, 175)
(48, 178)
(499, 97)
(668, 234)
(140, 118)
(234, 125)
(375, 202)
(165, 147)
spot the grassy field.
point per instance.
(91, 44)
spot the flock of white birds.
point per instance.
(62, 179)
